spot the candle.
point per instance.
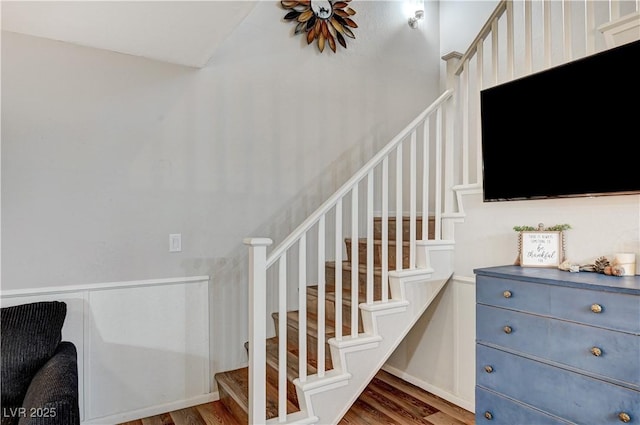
(626, 260)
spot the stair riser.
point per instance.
(312, 340)
(346, 281)
(272, 382)
(391, 232)
(230, 403)
(377, 254)
(330, 313)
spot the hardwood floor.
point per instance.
(386, 400)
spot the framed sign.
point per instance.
(541, 249)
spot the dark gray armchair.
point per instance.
(39, 370)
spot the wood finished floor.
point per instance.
(386, 400)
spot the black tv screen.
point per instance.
(571, 130)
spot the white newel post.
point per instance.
(451, 109)
(257, 328)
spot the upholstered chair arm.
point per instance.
(52, 397)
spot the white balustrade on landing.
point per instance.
(550, 33)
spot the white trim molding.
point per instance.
(143, 346)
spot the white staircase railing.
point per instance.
(407, 177)
(519, 38)
(399, 181)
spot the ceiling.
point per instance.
(180, 32)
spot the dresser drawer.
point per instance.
(492, 408)
(513, 294)
(607, 354)
(609, 310)
(603, 309)
(572, 396)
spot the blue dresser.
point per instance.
(554, 347)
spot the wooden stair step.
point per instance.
(233, 387)
(293, 361)
(216, 413)
(391, 232)
(312, 325)
(330, 276)
(330, 309)
(377, 252)
(331, 296)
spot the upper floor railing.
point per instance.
(522, 37)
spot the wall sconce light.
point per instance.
(413, 20)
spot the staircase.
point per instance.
(367, 246)
(233, 386)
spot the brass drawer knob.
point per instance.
(596, 308)
(507, 294)
(624, 417)
(507, 329)
(596, 351)
(488, 369)
(488, 415)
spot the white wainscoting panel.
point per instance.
(143, 346)
(438, 354)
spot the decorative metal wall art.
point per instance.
(325, 20)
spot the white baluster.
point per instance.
(438, 177)
(412, 200)
(399, 207)
(282, 339)
(528, 38)
(425, 177)
(510, 36)
(338, 271)
(566, 30)
(385, 229)
(370, 237)
(321, 298)
(302, 308)
(354, 261)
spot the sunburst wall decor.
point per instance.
(325, 20)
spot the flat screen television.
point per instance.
(569, 131)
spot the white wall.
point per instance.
(439, 353)
(104, 154)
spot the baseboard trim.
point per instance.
(452, 398)
(153, 410)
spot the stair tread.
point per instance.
(331, 295)
(346, 265)
(346, 294)
(236, 383)
(293, 361)
(312, 324)
(378, 241)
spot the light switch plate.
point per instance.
(175, 242)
